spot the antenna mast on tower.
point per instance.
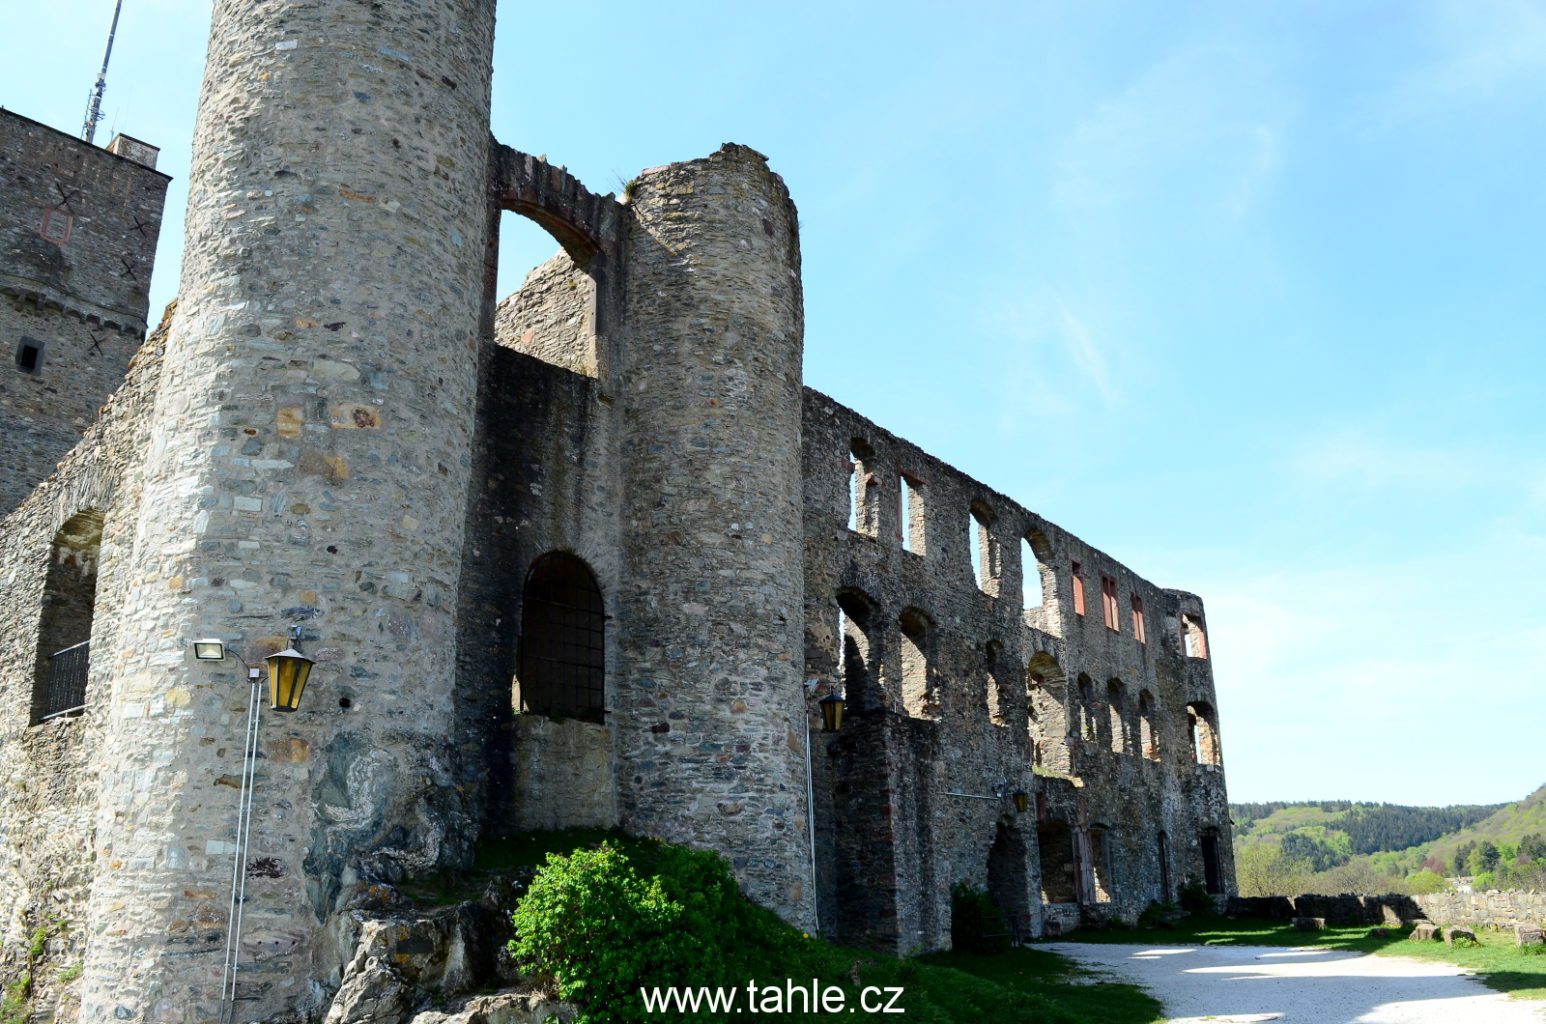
(94, 105)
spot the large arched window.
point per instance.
(562, 670)
(64, 630)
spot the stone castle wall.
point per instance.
(353, 437)
(1116, 769)
(311, 465)
(50, 771)
(78, 230)
(710, 715)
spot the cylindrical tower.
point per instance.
(710, 713)
(308, 463)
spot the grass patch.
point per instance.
(1497, 961)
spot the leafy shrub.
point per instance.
(976, 922)
(1158, 915)
(601, 926)
(1194, 898)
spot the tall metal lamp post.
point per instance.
(288, 671)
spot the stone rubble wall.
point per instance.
(1492, 909)
(310, 463)
(80, 296)
(50, 772)
(710, 714)
(973, 728)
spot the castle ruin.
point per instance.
(591, 555)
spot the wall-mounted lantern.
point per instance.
(1022, 800)
(287, 674)
(832, 712)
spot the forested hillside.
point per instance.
(1346, 846)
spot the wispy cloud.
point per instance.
(1200, 128)
(1481, 50)
(1054, 360)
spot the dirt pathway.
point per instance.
(1224, 984)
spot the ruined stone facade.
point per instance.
(78, 230)
(589, 556)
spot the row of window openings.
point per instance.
(985, 555)
(920, 696)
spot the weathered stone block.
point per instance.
(1310, 924)
(1528, 935)
(1425, 931)
(1460, 937)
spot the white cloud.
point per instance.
(1483, 50)
(1199, 131)
(1055, 358)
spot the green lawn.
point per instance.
(1497, 961)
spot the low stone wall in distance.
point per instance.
(1493, 909)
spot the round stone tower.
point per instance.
(710, 709)
(308, 464)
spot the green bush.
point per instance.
(976, 921)
(600, 926)
(1158, 915)
(1194, 898)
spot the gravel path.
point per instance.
(1225, 984)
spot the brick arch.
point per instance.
(585, 224)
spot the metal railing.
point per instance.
(65, 691)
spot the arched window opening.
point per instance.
(1202, 727)
(919, 698)
(986, 569)
(1033, 582)
(1047, 718)
(1086, 716)
(863, 489)
(64, 628)
(910, 520)
(1193, 639)
(856, 654)
(1148, 736)
(1116, 709)
(551, 313)
(562, 664)
(999, 694)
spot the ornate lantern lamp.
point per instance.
(1022, 800)
(832, 712)
(287, 674)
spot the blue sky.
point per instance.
(1250, 296)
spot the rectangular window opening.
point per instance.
(1138, 627)
(1078, 590)
(1108, 603)
(29, 356)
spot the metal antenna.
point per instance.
(94, 104)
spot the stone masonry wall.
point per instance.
(552, 316)
(1492, 909)
(710, 715)
(50, 772)
(545, 478)
(310, 464)
(78, 230)
(968, 677)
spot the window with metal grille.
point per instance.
(562, 664)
